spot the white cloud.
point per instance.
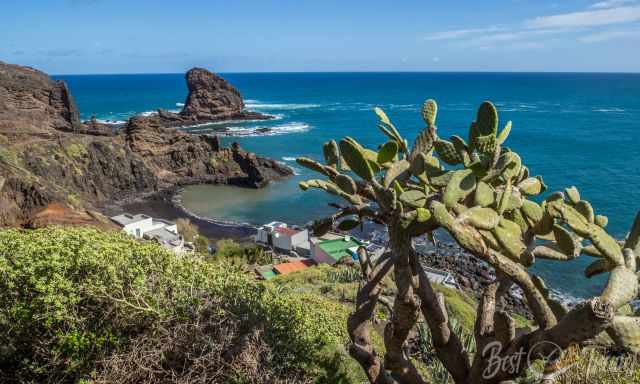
(535, 33)
(592, 18)
(609, 35)
(611, 3)
(514, 39)
(461, 33)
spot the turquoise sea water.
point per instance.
(574, 129)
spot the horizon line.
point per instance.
(354, 72)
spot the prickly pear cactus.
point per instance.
(483, 194)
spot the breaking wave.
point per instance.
(254, 104)
(260, 130)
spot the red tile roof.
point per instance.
(286, 231)
(293, 266)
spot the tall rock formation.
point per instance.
(211, 98)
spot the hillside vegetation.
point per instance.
(86, 306)
(80, 304)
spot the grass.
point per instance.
(9, 157)
(75, 150)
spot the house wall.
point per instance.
(281, 241)
(262, 236)
(145, 226)
(142, 225)
(320, 256)
(300, 238)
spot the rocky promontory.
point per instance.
(211, 99)
(53, 167)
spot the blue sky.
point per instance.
(140, 36)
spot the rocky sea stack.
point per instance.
(211, 98)
(48, 156)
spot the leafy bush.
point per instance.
(72, 297)
(240, 254)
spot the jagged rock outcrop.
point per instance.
(94, 127)
(31, 102)
(211, 98)
(47, 156)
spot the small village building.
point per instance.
(441, 277)
(142, 226)
(265, 272)
(292, 266)
(283, 238)
(333, 251)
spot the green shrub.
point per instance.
(70, 298)
(240, 254)
(9, 157)
(76, 150)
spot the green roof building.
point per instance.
(332, 251)
(266, 272)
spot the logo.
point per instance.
(547, 353)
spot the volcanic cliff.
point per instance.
(54, 168)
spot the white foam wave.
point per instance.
(148, 113)
(257, 130)
(179, 104)
(613, 109)
(566, 299)
(288, 158)
(261, 130)
(250, 105)
(111, 122)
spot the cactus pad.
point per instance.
(504, 133)
(487, 120)
(397, 169)
(573, 195)
(481, 218)
(601, 220)
(566, 241)
(388, 152)
(447, 152)
(586, 210)
(413, 198)
(484, 195)
(355, 159)
(462, 183)
(429, 112)
(346, 184)
(331, 155)
(509, 236)
(532, 186)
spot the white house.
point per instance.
(279, 236)
(143, 226)
(441, 277)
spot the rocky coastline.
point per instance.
(165, 205)
(471, 273)
(55, 168)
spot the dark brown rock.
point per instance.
(93, 127)
(47, 156)
(211, 98)
(30, 103)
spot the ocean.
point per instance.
(573, 129)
